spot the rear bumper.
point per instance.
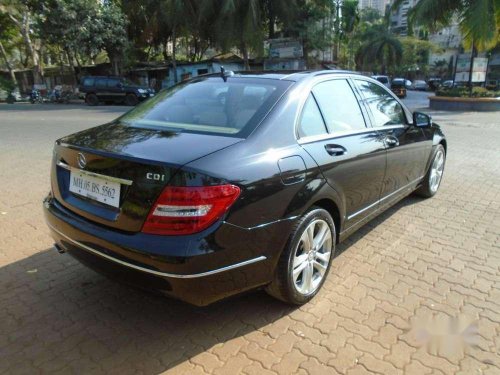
(199, 269)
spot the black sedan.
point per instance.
(232, 182)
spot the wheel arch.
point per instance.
(332, 208)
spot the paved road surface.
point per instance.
(423, 259)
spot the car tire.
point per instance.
(432, 180)
(302, 269)
(131, 100)
(91, 99)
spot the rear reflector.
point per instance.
(187, 210)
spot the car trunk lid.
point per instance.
(136, 162)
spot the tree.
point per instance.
(110, 30)
(479, 19)
(348, 23)
(313, 23)
(20, 13)
(379, 50)
(7, 33)
(84, 27)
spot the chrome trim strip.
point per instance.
(383, 199)
(122, 181)
(324, 137)
(159, 273)
(63, 165)
(262, 225)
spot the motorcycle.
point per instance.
(35, 96)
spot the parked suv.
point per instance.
(113, 89)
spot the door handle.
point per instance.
(391, 141)
(335, 150)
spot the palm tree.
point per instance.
(239, 23)
(380, 48)
(479, 19)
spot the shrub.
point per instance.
(463, 92)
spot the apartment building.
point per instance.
(379, 5)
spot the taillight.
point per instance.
(186, 210)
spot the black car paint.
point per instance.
(280, 177)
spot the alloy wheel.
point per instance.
(312, 256)
(436, 171)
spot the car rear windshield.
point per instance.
(383, 79)
(212, 105)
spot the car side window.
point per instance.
(113, 82)
(339, 106)
(311, 122)
(101, 82)
(88, 82)
(385, 109)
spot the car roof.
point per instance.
(288, 75)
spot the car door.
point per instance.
(407, 145)
(115, 89)
(102, 88)
(351, 156)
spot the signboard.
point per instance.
(478, 68)
(463, 68)
(285, 49)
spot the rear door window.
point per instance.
(339, 106)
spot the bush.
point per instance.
(463, 92)
(7, 85)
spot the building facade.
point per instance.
(399, 17)
(379, 5)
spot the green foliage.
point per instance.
(380, 51)
(479, 19)
(7, 85)
(463, 92)
(83, 27)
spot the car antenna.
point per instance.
(225, 74)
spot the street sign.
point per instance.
(478, 68)
(463, 68)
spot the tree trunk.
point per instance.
(7, 64)
(244, 51)
(471, 69)
(272, 19)
(24, 26)
(174, 50)
(69, 55)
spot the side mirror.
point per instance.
(421, 119)
(119, 85)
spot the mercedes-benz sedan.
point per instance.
(231, 182)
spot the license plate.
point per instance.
(95, 186)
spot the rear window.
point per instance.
(210, 105)
(383, 79)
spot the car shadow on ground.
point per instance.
(58, 315)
